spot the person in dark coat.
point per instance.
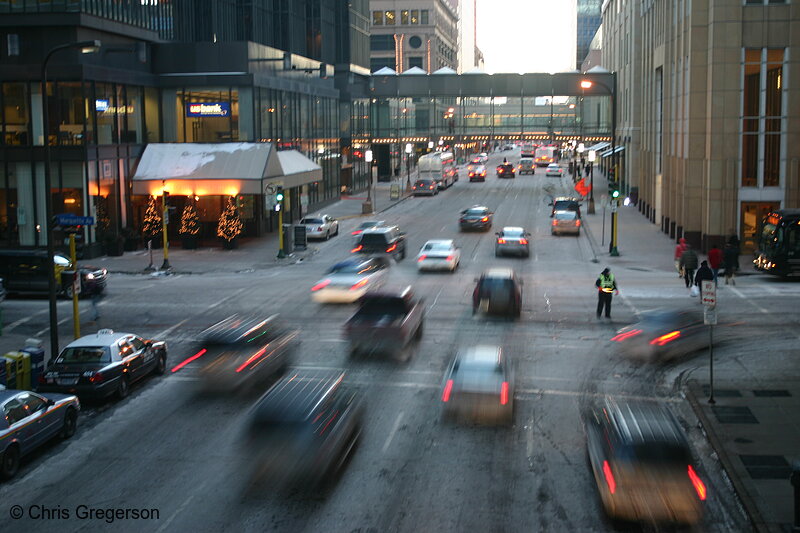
(704, 273)
(730, 262)
(688, 263)
(606, 287)
(733, 240)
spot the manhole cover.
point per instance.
(734, 415)
(772, 393)
(766, 466)
(722, 393)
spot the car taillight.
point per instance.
(360, 284)
(501, 241)
(392, 248)
(319, 228)
(96, 378)
(612, 485)
(356, 232)
(577, 222)
(42, 380)
(450, 257)
(320, 285)
(504, 393)
(485, 219)
(625, 335)
(664, 339)
(356, 249)
(421, 258)
(189, 360)
(555, 223)
(699, 486)
(471, 173)
(251, 359)
(448, 388)
(523, 241)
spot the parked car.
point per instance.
(439, 254)
(512, 240)
(102, 364)
(30, 420)
(425, 187)
(241, 353)
(320, 226)
(386, 240)
(642, 463)
(366, 224)
(25, 271)
(566, 222)
(506, 170)
(554, 170)
(526, 166)
(479, 387)
(565, 203)
(498, 292)
(349, 280)
(662, 335)
(386, 322)
(477, 173)
(302, 430)
(476, 217)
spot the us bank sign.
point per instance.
(208, 109)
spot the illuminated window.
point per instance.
(404, 16)
(415, 16)
(390, 17)
(377, 18)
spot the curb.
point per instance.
(749, 504)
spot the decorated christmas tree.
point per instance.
(151, 225)
(190, 222)
(230, 225)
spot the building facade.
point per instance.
(718, 111)
(413, 33)
(588, 21)
(469, 55)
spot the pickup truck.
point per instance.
(386, 322)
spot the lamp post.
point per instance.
(368, 158)
(592, 157)
(408, 166)
(87, 47)
(580, 150)
(587, 84)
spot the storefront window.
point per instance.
(750, 101)
(105, 107)
(210, 115)
(70, 113)
(773, 112)
(132, 111)
(152, 122)
(15, 114)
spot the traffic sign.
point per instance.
(74, 220)
(710, 316)
(76, 283)
(708, 293)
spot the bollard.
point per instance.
(794, 478)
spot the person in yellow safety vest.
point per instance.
(606, 287)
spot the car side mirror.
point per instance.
(50, 402)
(148, 344)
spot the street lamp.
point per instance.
(408, 165)
(579, 151)
(612, 92)
(592, 156)
(87, 47)
(368, 159)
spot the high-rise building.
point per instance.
(589, 18)
(469, 56)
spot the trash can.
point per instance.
(300, 237)
(288, 242)
(16, 363)
(33, 347)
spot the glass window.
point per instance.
(389, 16)
(750, 112)
(137, 343)
(404, 16)
(423, 18)
(33, 403)
(377, 18)
(210, 115)
(14, 411)
(105, 107)
(414, 62)
(151, 115)
(71, 113)
(15, 114)
(85, 354)
(131, 110)
(415, 16)
(382, 43)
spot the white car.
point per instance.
(321, 226)
(439, 255)
(349, 280)
(554, 170)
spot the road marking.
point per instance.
(741, 295)
(186, 502)
(547, 302)
(45, 330)
(529, 449)
(395, 427)
(437, 298)
(237, 293)
(169, 330)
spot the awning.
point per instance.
(615, 151)
(228, 169)
(598, 146)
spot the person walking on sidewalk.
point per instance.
(715, 260)
(730, 262)
(606, 287)
(704, 273)
(688, 263)
(679, 249)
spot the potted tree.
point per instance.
(229, 226)
(151, 224)
(190, 227)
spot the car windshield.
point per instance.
(552, 166)
(475, 212)
(566, 215)
(662, 453)
(565, 205)
(423, 182)
(368, 224)
(311, 221)
(512, 233)
(349, 267)
(433, 246)
(373, 239)
(85, 354)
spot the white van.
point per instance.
(438, 166)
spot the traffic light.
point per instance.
(615, 194)
(279, 195)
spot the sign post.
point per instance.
(76, 287)
(708, 296)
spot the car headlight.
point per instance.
(89, 276)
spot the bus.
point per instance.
(439, 166)
(544, 156)
(778, 243)
(528, 149)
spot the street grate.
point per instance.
(766, 466)
(722, 393)
(734, 415)
(772, 393)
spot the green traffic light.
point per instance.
(615, 194)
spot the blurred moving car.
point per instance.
(104, 363)
(240, 353)
(349, 280)
(366, 224)
(663, 334)
(498, 292)
(25, 271)
(479, 387)
(642, 463)
(382, 240)
(554, 170)
(565, 222)
(565, 203)
(477, 173)
(321, 227)
(386, 322)
(440, 254)
(526, 166)
(512, 240)
(506, 170)
(303, 429)
(30, 420)
(425, 187)
(476, 217)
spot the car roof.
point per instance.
(644, 422)
(448, 242)
(235, 328)
(378, 229)
(498, 273)
(6, 394)
(553, 165)
(514, 229)
(477, 207)
(480, 355)
(565, 199)
(104, 337)
(297, 395)
(368, 223)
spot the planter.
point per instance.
(189, 242)
(230, 245)
(132, 244)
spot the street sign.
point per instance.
(708, 293)
(710, 316)
(76, 284)
(74, 220)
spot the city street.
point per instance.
(166, 448)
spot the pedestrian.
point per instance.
(715, 260)
(679, 249)
(704, 273)
(733, 240)
(730, 262)
(688, 263)
(606, 287)
(97, 295)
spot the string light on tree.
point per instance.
(190, 221)
(230, 225)
(151, 224)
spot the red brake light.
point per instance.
(523, 241)
(356, 232)
(96, 378)
(421, 258)
(555, 223)
(664, 339)
(188, 360)
(356, 249)
(577, 222)
(612, 485)
(501, 241)
(450, 257)
(626, 335)
(392, 248)
(504, 393)
(319, 228)
(448, 388)
(360, 284)
(252, 358)
(320, 285)
(485, 219)
(699, 486)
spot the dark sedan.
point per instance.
(29, 421)
(498, 292)
(99, 365)
(506, 170)
(476, 217)
(663, 334)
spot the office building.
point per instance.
(588, 20)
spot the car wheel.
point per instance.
(161, 364)
(124, 388)
(68, 291)
(70, 424)
(337, 231)
(10, 463)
